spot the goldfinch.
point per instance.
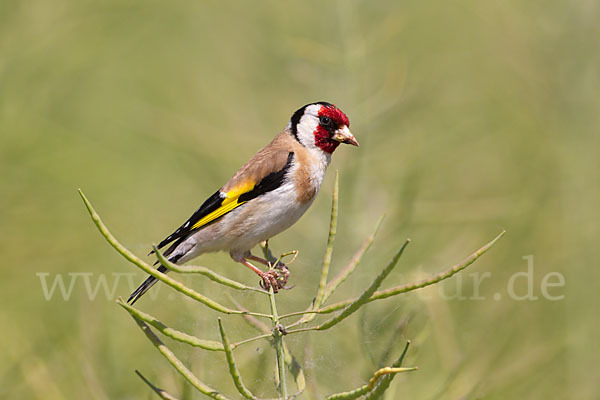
(264, 197)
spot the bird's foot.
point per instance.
(275, 278)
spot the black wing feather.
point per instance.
(267, 184)
(211, 204)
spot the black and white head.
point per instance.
(321, 127)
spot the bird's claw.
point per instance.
(276, 278)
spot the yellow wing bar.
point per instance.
(229, 203)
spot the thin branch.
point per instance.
(364, 297)
(292, 364)
(382, 294)
(309, 314)
(177, 364)
(387, 371)
(196, 269)
(256, 324)
(252, 339)
(253, 322)
(376, 386)
(384, 383)
(356, 393)
(329, 249)
(170, 332)
(354, 261)
(299, 330)
(302, 321)
(233, 369)
(278, 343)
(154, 272)
(267, 252)
(160, 392)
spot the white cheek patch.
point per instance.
(307, 126)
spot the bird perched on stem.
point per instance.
(264, 197)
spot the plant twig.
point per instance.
(160, 392)
(233, 369)
(267, 252)
(177, 364)
(196, 269)
(354, 261)
(310, 313)
(170, 332)
(356, 393)
(362, 299)
(253, 322)
(292, 364)
(329, 249)
(385, 381)
(154, 272)
(382, 294)
(376, 386)
(278, 343)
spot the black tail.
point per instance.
(144, 287)
(150, 281)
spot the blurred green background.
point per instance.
(473, 117)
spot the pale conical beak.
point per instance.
(343, 135)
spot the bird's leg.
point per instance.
(265, 262)
(269, 279)
(279, 272)
(257, 259)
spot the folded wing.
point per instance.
(252, 180)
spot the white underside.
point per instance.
(260, 219)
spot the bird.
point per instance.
(266, 196)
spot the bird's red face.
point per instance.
(333, 129)
(323, 126)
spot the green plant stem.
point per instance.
(381, 378)
(364, 297)
(154, 272)
(356, 393)
(383, 294)
(196, 269)
(278, 342)
(361, 300)
(170, 332)
(267, 252)
(253, 322)
(292, 364)
(233, 369)
(184, 337)
(385, 381)
(297, 313)
(351, 266)
(309, 314)
(252, 339)
(319, 298)
(177, 364)
(160, 392)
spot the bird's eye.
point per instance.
(325, 121)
